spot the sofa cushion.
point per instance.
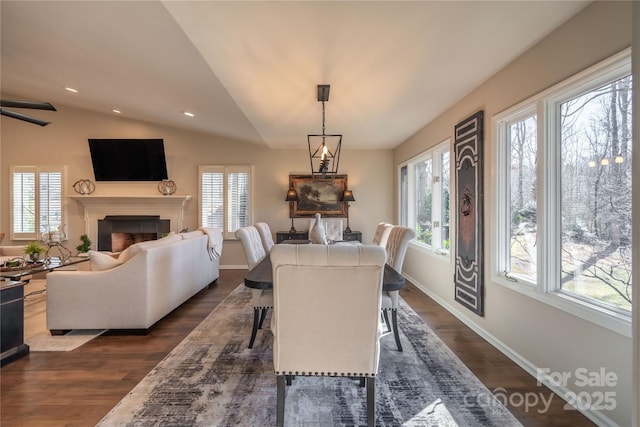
(191, 234)
(99, 261)
(132, 250)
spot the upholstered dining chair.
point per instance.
(396, 247)
(382, 234)
(262, 299)
(332, 227)
(265, 235)
(308, 279)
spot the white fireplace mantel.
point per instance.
(97, 207)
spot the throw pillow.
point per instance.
(99, 261)
(317, 234)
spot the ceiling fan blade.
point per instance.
(28, 104)
(19, 116)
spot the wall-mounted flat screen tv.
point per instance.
(128, 159)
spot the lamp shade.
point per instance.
(347, 196)
(292, 196)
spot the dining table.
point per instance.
(261, 277)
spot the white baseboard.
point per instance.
(596, 416)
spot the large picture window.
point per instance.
(424, 197)
(36, 201)
(564, 192)
(225, 197)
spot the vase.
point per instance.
(34, 256)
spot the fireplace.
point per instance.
(95, 208)
(117, 232)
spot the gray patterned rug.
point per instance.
(212, 379)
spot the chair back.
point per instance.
(310, 281)
(265, 235)
(397, 243)
(382, 234)
(251, 244)
(333, 227)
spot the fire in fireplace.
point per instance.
(117, 232)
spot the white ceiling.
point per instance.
(249, 70)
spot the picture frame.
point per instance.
(323, 195)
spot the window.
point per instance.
(225, 197)
(424, 198)
(36, 200)
(564, 192)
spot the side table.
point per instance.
(285, 235)
(352, 237)
(12, 344)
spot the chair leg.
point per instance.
(280, 380)
(256, 315)
(263, 314)
(394, 320)
(385, 316)
(371, 401)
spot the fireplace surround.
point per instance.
(97, 207)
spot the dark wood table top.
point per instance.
(261, 277)
(51, 264)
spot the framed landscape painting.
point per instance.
(323, 195)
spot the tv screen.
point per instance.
(128, 159)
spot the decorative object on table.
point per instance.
(292, 197)
(85, 245)
(34, 250)
(84, 187)
(318, 195)
(54, 240)
(317, 232)
(469, 240)
(347, 196)
(167, 187)
(54, 236)
(16, 263)
(324, 158)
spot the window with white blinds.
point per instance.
(36, 200)
(225, 197)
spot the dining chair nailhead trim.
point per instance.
(326, 374)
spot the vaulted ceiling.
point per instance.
(249, 70)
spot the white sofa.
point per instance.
(146, 282)
(11, 252)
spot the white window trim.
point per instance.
(440, 254)
(545, 104)
(225, 170)
(37, 235)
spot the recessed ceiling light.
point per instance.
(116, 111)
(188, 114)
(70, 89)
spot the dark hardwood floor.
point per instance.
(78, 388)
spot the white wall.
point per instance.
(532, 333)
(64, 141)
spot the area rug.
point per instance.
(212, 379)
(36, 334)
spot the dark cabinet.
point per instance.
(304, 235)
(352, 237)
(285, 235)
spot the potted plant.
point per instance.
(85, 246)
(33, 249)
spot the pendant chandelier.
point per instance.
(324, 150)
